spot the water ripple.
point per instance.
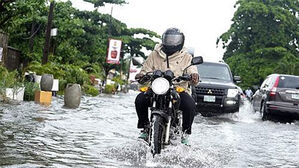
(102, 133)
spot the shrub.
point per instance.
(90, 90)
(9, 80)
(75, 74)
(117, 80)
(65, 73)
(30, 88)
(110, 89)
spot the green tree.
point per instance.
(263, 39)
(98, 3)
(14, 9)
(82, 35)
(25, 26)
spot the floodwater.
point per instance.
(103, 133)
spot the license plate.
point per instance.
(295, 96)
(209, 98)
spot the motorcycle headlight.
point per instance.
(160, 86)
(232, 92)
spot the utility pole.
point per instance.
(121, 63)
(128, 73)
(110, 24)
(48, 34)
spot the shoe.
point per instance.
(143, 135)
(185, 139)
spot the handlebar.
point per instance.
(148, 76)
(185, 77)
(145, 78)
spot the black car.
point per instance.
(279, 95)
(217, 92)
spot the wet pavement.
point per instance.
(103, 133)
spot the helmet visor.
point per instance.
(172, 39)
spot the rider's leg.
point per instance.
(141, 104)
(188, 107)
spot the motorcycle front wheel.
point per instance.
(157, 131)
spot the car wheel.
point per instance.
(264, 112)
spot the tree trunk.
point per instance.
(3, 46)
(48, 34)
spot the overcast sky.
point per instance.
(202, 21)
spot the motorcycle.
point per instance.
(165, 116)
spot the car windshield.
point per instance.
(289, 82)
(214, 71)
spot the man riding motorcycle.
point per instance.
(178, 59)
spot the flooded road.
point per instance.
(103, 133)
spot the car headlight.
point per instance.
(160, 86)
(232, 92)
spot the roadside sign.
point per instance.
(114, 49)
(54, 32)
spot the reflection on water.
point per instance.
(102, 133)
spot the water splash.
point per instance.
(103, 133)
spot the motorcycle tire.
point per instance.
(157, 131)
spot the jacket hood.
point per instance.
(158, 49)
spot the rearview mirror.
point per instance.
(197, 60)
(237, 79)
(137, 61)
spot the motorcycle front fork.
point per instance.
(167, 130)
(172, 131)
(177, 128)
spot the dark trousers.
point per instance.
(187, 106)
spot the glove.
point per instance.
(194, 79)
(139, 76)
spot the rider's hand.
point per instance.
(194, 79)
(139, 76)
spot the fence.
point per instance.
(9, 57)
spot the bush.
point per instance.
(9, 80)
(64, 72)
(90, 90)
(117, 80)
(30, 88)
(75, 74)
(110, 89)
